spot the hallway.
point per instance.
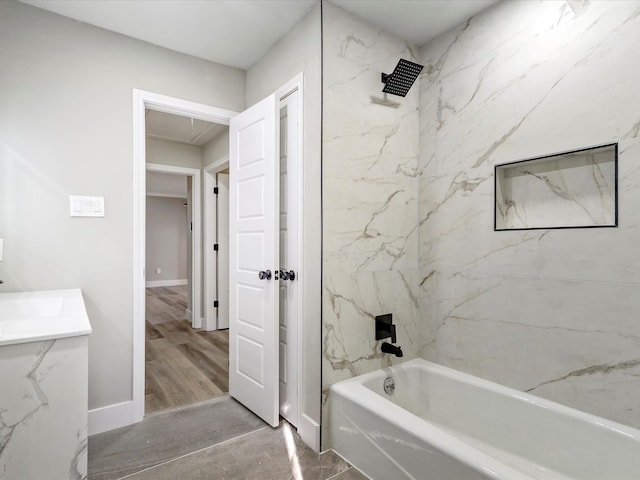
(182, 366)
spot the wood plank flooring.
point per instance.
(183, 366)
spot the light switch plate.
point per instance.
(81, 206)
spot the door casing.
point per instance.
(196, 258)
(128, 412)
(210, 218)
(143, 100)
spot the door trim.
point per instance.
(210, 215)
(196, 220)
(143, 100)
(307, 429)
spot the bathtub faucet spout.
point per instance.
(393, 349)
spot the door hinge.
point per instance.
(215, 247)
(215, 190)
(215, 304)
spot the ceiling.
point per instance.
(417, 21)
(232, 32)
(175, 128)
(239, 32)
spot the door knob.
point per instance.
(290, 275)
(264, 274)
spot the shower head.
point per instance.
(403, 76)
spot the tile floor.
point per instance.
(219, 440)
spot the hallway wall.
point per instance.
(166, 239)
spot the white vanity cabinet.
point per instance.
(43, 385)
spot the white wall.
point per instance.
(166, 185)
(66, 128)
(300, 51)
(551, 312)
(215, 149)
(166, 239)
(173, 153)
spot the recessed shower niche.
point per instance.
(571, 189)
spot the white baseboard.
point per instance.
(309, 431)
(110, 417)
(166, 283)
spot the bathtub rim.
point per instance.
(414, 425)
(595, 420)
(354, 390)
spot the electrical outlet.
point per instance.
(158, 270)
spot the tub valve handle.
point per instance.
(392, 349)
(385, 327)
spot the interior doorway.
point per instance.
(144, 103)
(165, 185)
(216, 241)
(147, 101)
(184, 364)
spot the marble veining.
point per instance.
(370, 200)
(43, 409)
(591, 370)
(551, 312)
(575, 189)
(408, 201)
(34, 398)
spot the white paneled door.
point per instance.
(254, 166)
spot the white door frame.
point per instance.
(196, 220)
(143, 100)
(210, 217)
(295, 86)
(289, 258)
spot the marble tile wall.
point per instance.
(370, 200)
(551, 312)
(567, 190)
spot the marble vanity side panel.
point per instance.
(546, 311)
(43, 409)
(370, 200)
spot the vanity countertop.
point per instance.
(42, 315)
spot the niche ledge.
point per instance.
(574, 189)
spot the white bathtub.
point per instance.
(446, 425)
